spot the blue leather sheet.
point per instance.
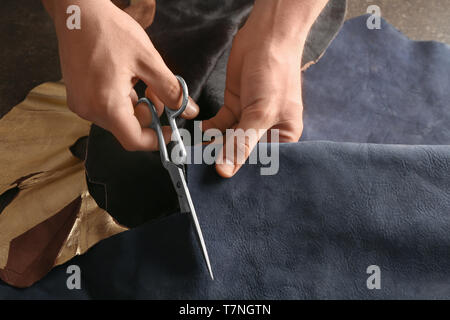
(333, 209)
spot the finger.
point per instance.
(191, 111)
(143, 114)
(134, 97)
(125, 126)
(159, 105)
(224, 119)
(240, 143)
(227, 115)
(288, 132)
(167, 133)
(156, 75)
(143, 12)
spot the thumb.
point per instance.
(124, 125)
(240, 142)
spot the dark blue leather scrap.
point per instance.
(308, 232)
(378, 86)
(333, 209)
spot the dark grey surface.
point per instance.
(29, 50)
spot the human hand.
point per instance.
(263, 86)
(263, 92)
(102, 62)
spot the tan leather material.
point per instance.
(92, 225)
(34, 140)
(35, 137)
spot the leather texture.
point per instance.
(309, 232)
(333, 209)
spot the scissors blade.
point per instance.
(186, 205)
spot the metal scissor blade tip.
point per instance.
(208, 264)
(203, 246)
(186, 205)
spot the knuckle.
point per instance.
(174, 94)
(84, 114)
(246, 147)
(264, 113)
(81, 110)
(129, 145)
(243, 149)
(105, 110)
(243, 142)
(269, 113)
(292, 137)
(149, 4)
(294, 134)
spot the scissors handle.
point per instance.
(171, 117)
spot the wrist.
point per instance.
(283, 21)
(268, 20)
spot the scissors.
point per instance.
(175, 166)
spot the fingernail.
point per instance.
(191, 109)
(227, 168)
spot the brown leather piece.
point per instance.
(33, 254)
